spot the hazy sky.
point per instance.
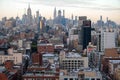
(90, 8)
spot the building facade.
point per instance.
(16, 57)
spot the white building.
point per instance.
(74, 61)
(109, 39)
(73, 34)
(106, 39)
(73, 37)
(15, 56)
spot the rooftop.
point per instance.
(73, 55)
(2, 68)
(112, 52)
(114, 61)
(91, 73)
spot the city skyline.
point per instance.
(90, 8)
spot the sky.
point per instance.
(90, 8)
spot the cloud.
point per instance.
(87, 4)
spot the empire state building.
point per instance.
(29, 15)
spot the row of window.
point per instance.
(81, 63)
(39, 79)
(73, 61)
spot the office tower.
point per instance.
(86, 32)
(101, 22)
(54, 15)
(59, 13)
(80, 30)
(106, 39)
(63, 13)
(72, 16)
(109, 39)
(81, 19)
(107, 21)
(37, 17)
(24, 19)
(38, 25)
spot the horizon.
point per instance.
(93, 9)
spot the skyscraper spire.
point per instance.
(29, 10)
(29, 5)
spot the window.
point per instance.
(71, 79)
(87, 79)
(97, 79)
(92, 79)
(65, 78)
(76, 78)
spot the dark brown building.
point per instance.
(37, 59)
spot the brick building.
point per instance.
(7, 72)
(37, 58)
(45, 47)
(8, 64)
(109, 62)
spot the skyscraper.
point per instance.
(54, 15)
(59, 13)
(29, 15)
(80, 32)
(63, 13)
(29, 10)
(86, 31)
(37, 17)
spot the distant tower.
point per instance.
(37, 17)
(72, 16)
(63, 13)
(100, 18)
(107, 19)
(54, 16)
(101, 21)
(76, 18)
(37, 14)
(29, 10)
(107, 22)
(59, 13)
(29, 15)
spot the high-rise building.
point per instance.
(37, 17)
(59, 13)
(63, 13)
(80, 30)
(106, 39)
(29, 15)
(54, 15)
(86, 31)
